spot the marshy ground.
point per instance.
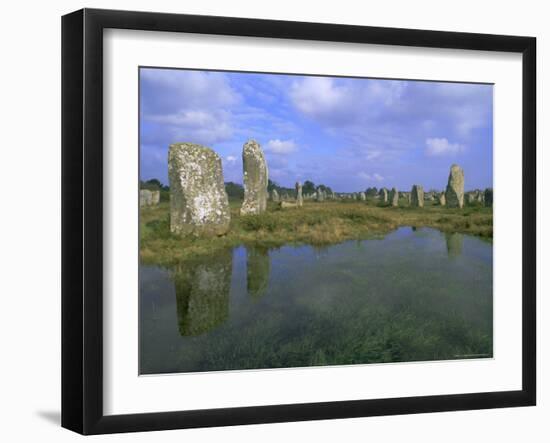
(315, 223)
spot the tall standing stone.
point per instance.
(320, 195)
(454, 194)
(275, 196)
(255, 179)
(394, 197)
(417, 196)
(363, 196)
(383, 195)
(155, 198)
(198, 201)
(299, 197)
(442, 200)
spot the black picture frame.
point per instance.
(82, 218)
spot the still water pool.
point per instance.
(413, 295)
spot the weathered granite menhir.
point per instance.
(383, 193)
(394, 197)
(255, 179)
(275, 196)
(417, 196)
(454, 194)
(198, 201)
(148, 198)
(320, 195)
(299, 197)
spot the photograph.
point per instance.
(291, 220)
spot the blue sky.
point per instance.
(346, 133)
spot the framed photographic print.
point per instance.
(269, 221)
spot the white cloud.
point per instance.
(189, 106)
(371, 177)
(230, 159)
(206, 127)
(337, 102)
(371, 155)
(281, 146)
(441, 146)
(176, 89)
(318, 95)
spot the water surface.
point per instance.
(414, 295)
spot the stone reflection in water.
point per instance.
(202, 293)
(258, 267)
(454, 244)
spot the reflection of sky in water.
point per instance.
(412, 295)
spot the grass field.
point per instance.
(315, 223)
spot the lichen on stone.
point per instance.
(198, 201)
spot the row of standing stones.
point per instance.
(199, 204)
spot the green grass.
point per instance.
(315, 223)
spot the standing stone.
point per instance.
(145, 198)
(488, 197)
(417, 196)
(275, 196)
(442, 201)
(383, 195)
(299, 198)
(454, 195)
(320, 195)
(394, 197)
(155, 198)
(198, 201)
(363, 196)
(255, 179)
(471, 198)
(148, 198)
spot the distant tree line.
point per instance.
(371, 192)
(235, 191)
